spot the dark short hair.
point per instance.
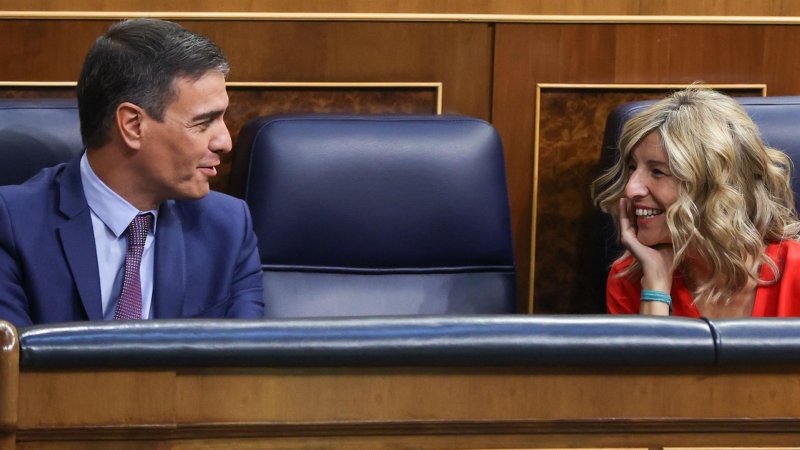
(137, 61)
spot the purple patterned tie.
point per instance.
(130, 301)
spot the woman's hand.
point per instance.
(656, 261)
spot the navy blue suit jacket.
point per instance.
(206, 258)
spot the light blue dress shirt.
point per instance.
(111, 215)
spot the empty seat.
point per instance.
(378, 215)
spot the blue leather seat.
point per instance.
(378, 215)
(756, 343)
(777, 119)
(34, 134)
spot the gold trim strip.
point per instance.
(535, 196)
(323, 84)
(328, 84)
(398, 17)
(650, 86)
(535, 187)
(38, 83)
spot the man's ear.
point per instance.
(129, 123)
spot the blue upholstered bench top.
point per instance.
(756, 342)
(481, 341)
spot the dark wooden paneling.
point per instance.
(601, 7)
(514, 95)
(458, 55)
(688, 53)
(37, 92)
(426, 408)
(49, 50)
(781, 65)
(526, 55)
(9, 383)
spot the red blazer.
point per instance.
(781, 299)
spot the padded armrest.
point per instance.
(757, 341)
(392, 341)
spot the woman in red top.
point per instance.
(705, 212)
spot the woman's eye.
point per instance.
(658, 172)
(631, 168)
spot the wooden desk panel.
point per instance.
(425, 408)
(9, 384)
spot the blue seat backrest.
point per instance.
(777, 119)
(378, 215)
(34, 134)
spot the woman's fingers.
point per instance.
(624, 217)
(656, 261)
(627, 231)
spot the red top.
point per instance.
(781, 299)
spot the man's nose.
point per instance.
(221, 143)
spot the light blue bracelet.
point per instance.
(657, 296)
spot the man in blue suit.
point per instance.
(129, 229)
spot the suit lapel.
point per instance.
(169, 285)
(77, 240)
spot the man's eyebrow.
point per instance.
(208, 115)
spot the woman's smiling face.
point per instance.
(652, 188)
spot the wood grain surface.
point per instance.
(9, 384)
(595, 7)
(426, 408)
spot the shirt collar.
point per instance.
(115, 212)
